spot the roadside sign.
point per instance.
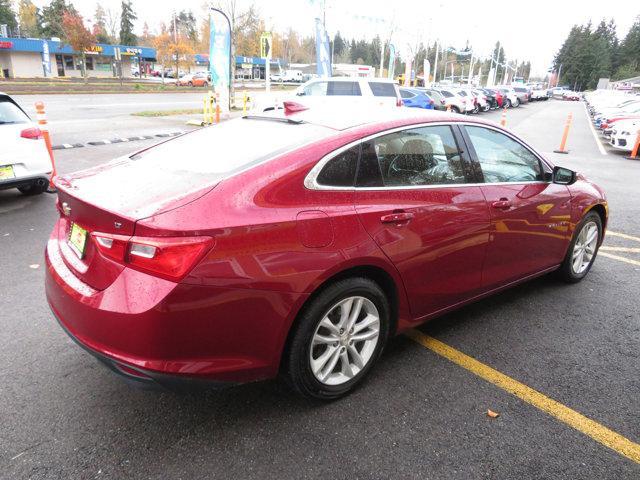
(266, 41)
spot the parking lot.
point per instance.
(418, 415)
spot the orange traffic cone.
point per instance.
(503, 120)
(565, 134)
(636, 147)
(42, 124)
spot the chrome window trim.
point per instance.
(310, 181)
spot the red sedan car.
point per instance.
(298, 242)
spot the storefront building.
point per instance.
(247, 68)
(31, 58)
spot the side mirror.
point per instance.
(563, 176)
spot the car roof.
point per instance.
(348, 118)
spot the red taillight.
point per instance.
(399, 102)
(431, 102)
(33, 133)
(166, 257)
(442, 101)
(604, 125)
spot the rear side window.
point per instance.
(340, 171)
(344, 88)
(414, 157)
(10, 113)
(316, 88)
(406, 94)
(446, 93)
(383, 89)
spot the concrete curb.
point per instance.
(95, 143)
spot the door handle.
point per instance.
(399, 217)
(502, 204)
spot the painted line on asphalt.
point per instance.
(607, 248)
(593, 131)
(619, 258)
(576, 420)
(623, 235)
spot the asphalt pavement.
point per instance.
(419, 415)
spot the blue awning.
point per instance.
(36, 45)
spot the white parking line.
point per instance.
(593, 131)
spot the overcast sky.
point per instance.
(529, 30)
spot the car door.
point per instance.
(414, 198)
(529, 214)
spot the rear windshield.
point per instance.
(10, 113)
(383, 89)
(229, 147)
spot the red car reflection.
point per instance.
(299, 242)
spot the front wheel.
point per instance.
(338, 339)
(583, 249)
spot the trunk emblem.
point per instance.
(117, 224)
(66, 209)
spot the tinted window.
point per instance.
(340, 171)
(446, 94)
(10, 113)
(420, 156)
(502, 159)
(520, 89)
(343, 88)
(383, 89)
(406, 94)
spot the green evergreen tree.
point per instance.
(127, 17)
(51, 20)
(8, 16)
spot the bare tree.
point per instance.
(112, 24)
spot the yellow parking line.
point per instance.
(619, 258)
(589, 427)
(607, 248)
(623, 235)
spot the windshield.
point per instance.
(11, 113)
(224, 149)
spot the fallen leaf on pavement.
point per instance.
(492, 414)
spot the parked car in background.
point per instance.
(360, 91)
(455, 102)
(438, 98)
(333, 230)
(523, 93)
(489, 98)
(413, 97)
(24, 159)
(540, 94)
(511, 98)
(624, 134)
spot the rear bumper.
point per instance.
(155, 331)
(22, 181)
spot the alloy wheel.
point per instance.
(345, 340)
(585, 248)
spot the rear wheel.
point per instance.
(509, 104)
(338, 339)
(583, 249)
(455, 109)
(190, 84)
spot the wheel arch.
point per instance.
(389, 284)
(602, 212)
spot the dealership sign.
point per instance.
(93, 50)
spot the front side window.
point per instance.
(416, 157)
(406, 94)
(446, 93)
(502, 159)
(340, 171)
(343, 88)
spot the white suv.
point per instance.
(24, 159)
(380, 91)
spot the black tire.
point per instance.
(297, 363)
(455, 109)
(509, 104)
(566, 271)
(34, 188)
(190, 84)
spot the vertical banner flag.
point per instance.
(323, 54)
(220, 56)
(46, 59)
(392, 61)
(407, 73)
(426, 70)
